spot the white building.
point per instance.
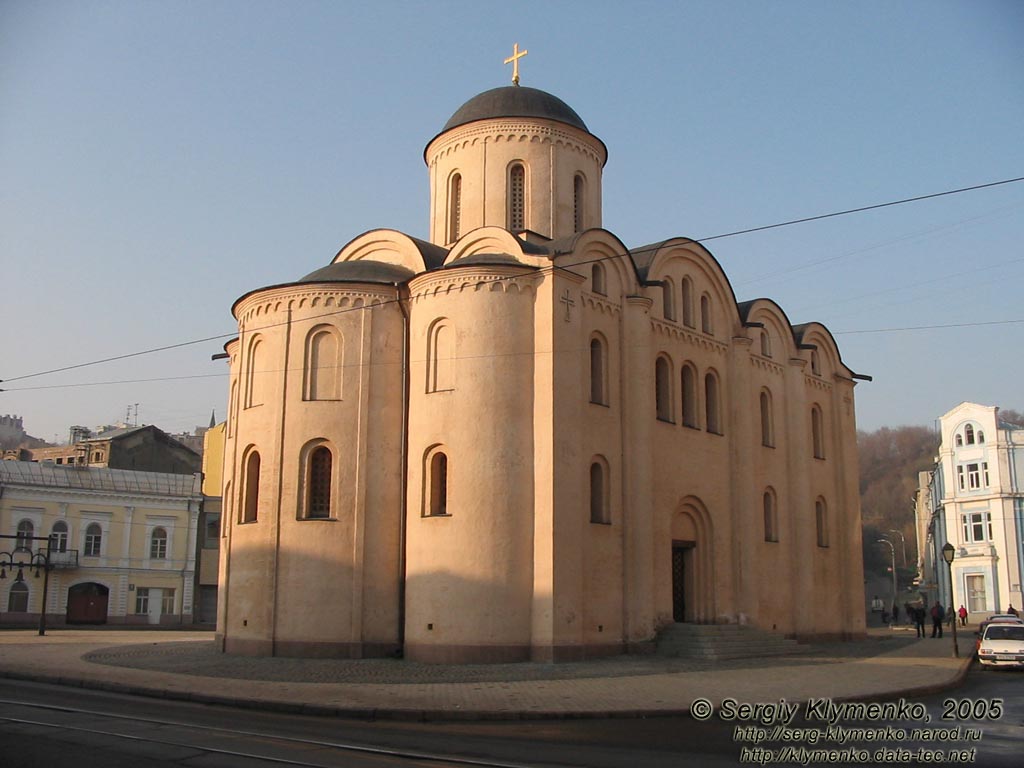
(974, 499)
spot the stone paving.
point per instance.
(184, 665)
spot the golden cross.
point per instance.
(514, 61)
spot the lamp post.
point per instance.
(22, 557)
(892, 553)
(948, 553)
(903, 545)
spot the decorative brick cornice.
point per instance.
(327, 296)
(494, 279)
(492, 131)
(688, 336)
(601, 304)
(764, 364)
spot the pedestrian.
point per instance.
(950, 617)
(938, 614)
(1012, 611)
(895, 613)
(908, 611)
(919, 620)
(963, 616)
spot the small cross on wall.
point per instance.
(569, 303)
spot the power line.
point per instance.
(929, 327)
(542, 271)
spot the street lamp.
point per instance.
(21, 558)
(892, 553)
(903, 545)
(948, 553)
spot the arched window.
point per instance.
(817, 433)
(766, 344)
(712, 407)
(981, 436)
(821, 520)
(26, 530)
(255, 374)
(705, 315)
(233, 408)
(599, 493)
(959, 441)
(93, 540)
(597, 282)
(598, 372)
(687, 287)
(815, 363)
(319, 467)
(663, 389)
(437, 483)
(969, 434)
(771, 516)
(578, 201)
(767, 425)
(59, 537)
(322, 374)
(517, 197)
(440, 356)
(251, 488)
(668, 299)
(454, 208)
(158, 544)
(689, 386)
(17, 599)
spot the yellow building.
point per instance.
(122, 544)
(524, 440)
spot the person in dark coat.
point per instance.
(938, 614)
(919, 619)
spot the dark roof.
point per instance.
(515, 101)
(359, 271)
(486, 259)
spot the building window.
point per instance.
(977, 527)
(689, 386)
(455, 208)
(663, 389)
(211, 530)
(817, 433)
(517, 197)
(158, 544)
(142, 600)
(771, 520)
(167, 602)
(17, 599)
(597, 282)
(437, 483)
(981, 437)
(706, 325)
(440, 356)
(815, 363)
(598, 373)
(766, 344)
(577, 203)
(251, 488)
(318, 483)
(599, 494)
(712, 407)
(26, 530)
(977, 600)
(687, 291)
(93, 540)
(972, 477)
(821, 519)
(255, 375)
(59, 537)
(324, 364)
(959, 441)
(668, 299)
(767, 427)
(969, 434)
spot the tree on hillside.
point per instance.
(1010, 416)
(889, 462)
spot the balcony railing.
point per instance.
(67, 558)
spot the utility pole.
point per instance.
(892, 554)
(903, 543)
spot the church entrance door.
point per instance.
(682, 575)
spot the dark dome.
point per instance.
(515, 101)
(359, 272)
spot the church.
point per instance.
(522, 439)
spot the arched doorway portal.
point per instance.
(87, 603)
(692, 563)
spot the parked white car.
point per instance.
(1002, 645)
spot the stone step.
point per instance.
(722, 641)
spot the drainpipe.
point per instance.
(402, 533)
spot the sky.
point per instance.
(160, 159)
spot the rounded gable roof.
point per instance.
(515, 101)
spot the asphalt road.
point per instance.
(58, 727)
